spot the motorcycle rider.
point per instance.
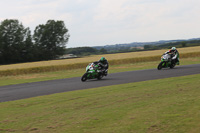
(103, 63)
(175, 55)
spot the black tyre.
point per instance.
(172, 65)
(100, 76)
(84, 77)
(160, 66)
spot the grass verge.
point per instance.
(164, 105)
(28, 78)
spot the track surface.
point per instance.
(22, 91)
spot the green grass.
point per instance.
(164, 105)
(8, 80)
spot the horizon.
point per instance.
(198, 38)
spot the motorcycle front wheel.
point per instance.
(160, 66)
(84, 77)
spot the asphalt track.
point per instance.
(27, 90)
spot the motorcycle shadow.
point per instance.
(175, 68)
(104, 79)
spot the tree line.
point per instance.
(84, 51)
(178, 44)
(17, 44)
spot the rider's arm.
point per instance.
(100, 65)
(166, 52)
(174, 57)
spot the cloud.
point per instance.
(149, 20)
(102, 22)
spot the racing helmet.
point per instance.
(173, 49)
(102, 59)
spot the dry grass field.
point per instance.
(96, 57)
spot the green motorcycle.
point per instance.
(166, 61)
(92, 72)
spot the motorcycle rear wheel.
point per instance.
(172, 65)
(100, 76)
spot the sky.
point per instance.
(109, 22)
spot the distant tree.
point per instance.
(51, 39)
(183, 44)
(103, 51)
(82, 51)
(146, 47)
(14, 38)
(29, 50)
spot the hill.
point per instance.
(134, 46)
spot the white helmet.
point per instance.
(173, 48)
